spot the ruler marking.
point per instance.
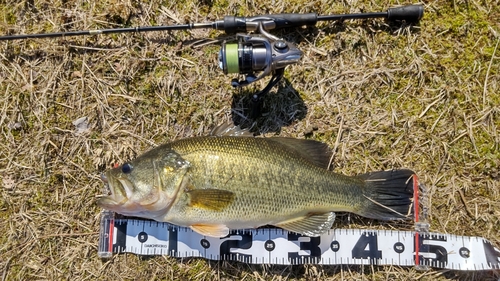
(143, 226)
(269, 238)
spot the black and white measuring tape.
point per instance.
(277, 246)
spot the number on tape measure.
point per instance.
(236, 240)
(367, 247)
(430, 252)
(492, 255)
(309, 245)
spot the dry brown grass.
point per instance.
(382, 96)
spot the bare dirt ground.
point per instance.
(382, 96)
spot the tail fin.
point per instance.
(388, 194)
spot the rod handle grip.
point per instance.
(294, 20)
(410, 13)
(232, 24)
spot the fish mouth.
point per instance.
(116, 190)
(122, 196)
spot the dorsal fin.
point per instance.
(229, 129)
(316, 152)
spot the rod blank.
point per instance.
(232, 24)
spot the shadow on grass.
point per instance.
(277, 109)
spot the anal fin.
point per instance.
(212, 230)
(314, 224)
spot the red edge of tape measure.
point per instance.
(111, 229)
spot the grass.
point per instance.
(381, 95)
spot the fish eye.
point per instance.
(127, 168)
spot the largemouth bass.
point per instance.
(217, 183)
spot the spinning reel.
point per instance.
(264, 54)
(254, 55)
(251, 54)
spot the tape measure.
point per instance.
(277, 246)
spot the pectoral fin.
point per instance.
(213, 230)
(313, 224)
(211, 199)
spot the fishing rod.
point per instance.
(257, 54)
